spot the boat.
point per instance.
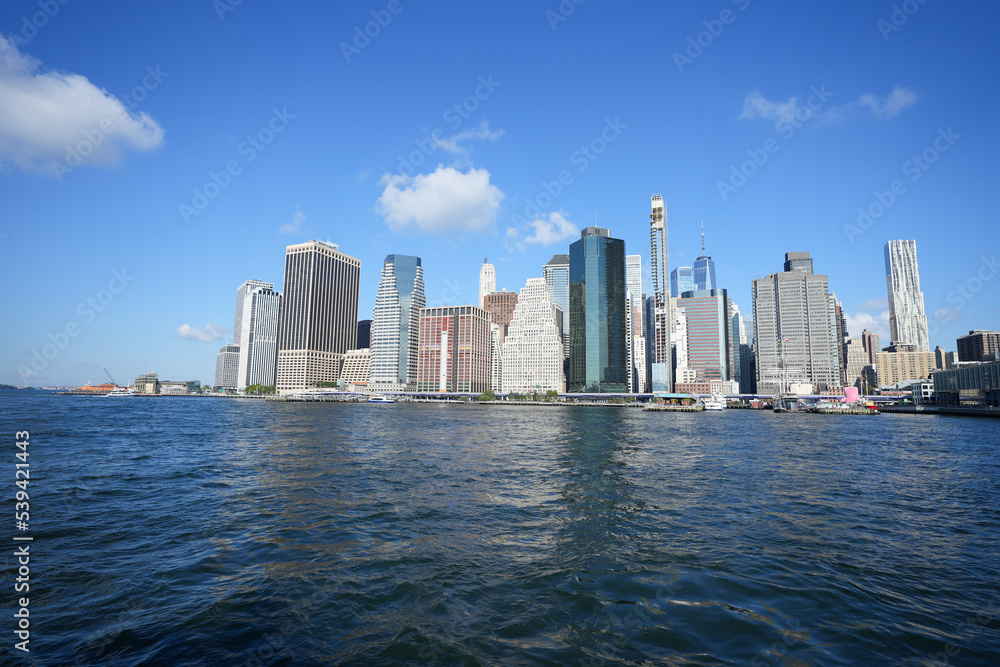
(716, 403)
(119, 392)
(380, 398)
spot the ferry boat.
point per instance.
(119, 392)
(716, 403)
(380, 398)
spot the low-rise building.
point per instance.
(356, 370)
(147, 383)
(976, 385)
(895, 367)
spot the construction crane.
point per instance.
(112, 378)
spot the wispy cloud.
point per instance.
(756, 106)
(542, 232)
(876, 322)
(453, 143)
(43, 114)
(209, 332)
(295, 226)
(446, 201)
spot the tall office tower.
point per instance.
(396, 324)
(319, 314)
(798, 261)
(364, 335)
(597, 306)
(856, 358)
(681, 280)
(649, 329)
(533, 349)
(838, 328)
(454, 350)
(680, 338)
(633, 283)
(496, 358)
(738, 342)
(661, 366)
(708, 314)
(977, 344)
(556, 273)
(487, 280)
(907, 321)
(259, 337)
(241, 295)
(871, 344)
(500, 306)
(227, 366)
(704, 268)
(794, 307)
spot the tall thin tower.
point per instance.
(396, 324)
(660, 356)
(487, 281)
(907, 319)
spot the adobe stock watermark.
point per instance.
(758, 157)
(564, 10)
(454, 115)
(38, 20)
(714, 28)
(976, 624)
(381, 18)
(901, 13)
(87, 310)
(250, 148)
(581, 158)
(94, 137)
(915, 168)
(964, 292)
(449, 295)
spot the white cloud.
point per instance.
(946, 315)
(877, 324)
(363, 176)
(542, 232)
(209, 332)
(44, 113)
(756, 105)
(295, 226)
(446, 201)
(451, 144)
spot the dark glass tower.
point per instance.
(598, 361)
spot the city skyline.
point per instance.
(221, 150)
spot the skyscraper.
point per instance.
(976, 345)
(533, 349)
(241, 295)
(598, 361)
(227, 365)
(364, 334)
(500, 306)
(396, 324)
(259, 337)
(636, 337)
(319, 314)
(681, 280)
(661, 363)
(454, 349)
(633, 283)
(708, 315)
(704, 268)
(792, 311)
(487, 280)
(907, 321)
(556, 273)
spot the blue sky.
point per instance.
(113, 115)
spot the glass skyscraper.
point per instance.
(704, 268)
(395, 324)
(598, 361)
(681, 280)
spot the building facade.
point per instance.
(976, 345)
(319, 314)
(681, 280)
(396, 324)
(227, 367)
(500, 306)
(364, 335)
(355, 372)
(894, 367)
(976, 385)
(658, 337)
(556, 274)
(487, 280)
(709, 334)
(533, 349)
(793, 333)
(259, 337)
(454, 350)
(907, 320)
(598, 346)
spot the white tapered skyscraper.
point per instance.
(487, 281)
(658, 340)
(907, 319)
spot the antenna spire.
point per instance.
(702, 238)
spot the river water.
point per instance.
(197, 531)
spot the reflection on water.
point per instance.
(220, 532)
